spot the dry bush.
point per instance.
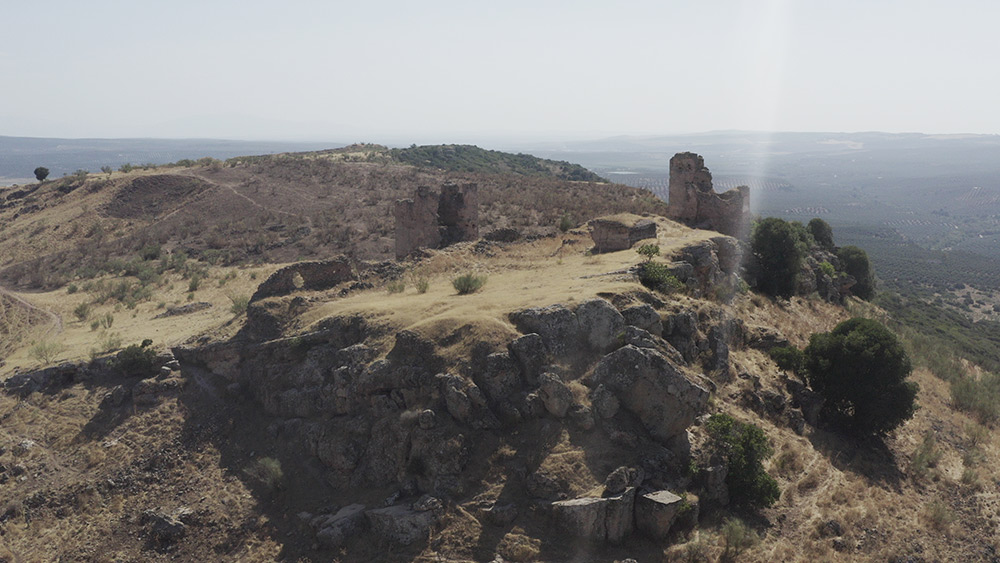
(516, 546)
(926, 456)
(939, 515)
(46, 351)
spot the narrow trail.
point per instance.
(54, 319)
(250, 200)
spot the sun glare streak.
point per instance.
(770, 61)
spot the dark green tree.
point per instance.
(856, 264)
(821, 232)
(41, 173)
(745, 447)
(779, 249)
(860, 369)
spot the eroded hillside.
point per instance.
(351, 409)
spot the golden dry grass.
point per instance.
(544, 272)
(131, 326)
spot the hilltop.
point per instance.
(356, 408)
(272, 209)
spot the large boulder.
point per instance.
(607, 519)
(557, 325)
(500, 376)
(653, 389)
(600, 324)
(529, 352)
(403, 525)
(555, 395)
(644, 317)
(656, 512)
(333, 530)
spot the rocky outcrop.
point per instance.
(611, 234)
(606, 519)
(431, 220)
(694, 202)
(405, 525)
(410, 420)
(653, 389)
(557, 326)
(656, 512)
(600, 323)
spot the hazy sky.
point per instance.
(461, 71)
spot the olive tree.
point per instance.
(861, 369)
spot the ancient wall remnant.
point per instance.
(615, 233)
(694, 202)
(431, 220)
(315, 275)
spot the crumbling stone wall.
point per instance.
(458, 213)
(431, 220)
(611, 234)
(693, 200)
(316, 275)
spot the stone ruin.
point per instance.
(611, 234)
(694, 202)
(432, 220)
(313, 275)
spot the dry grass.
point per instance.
(79, 342)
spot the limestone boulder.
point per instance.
(555, 395)
(500, 376)
(600, 324)
(402, 524)
(607, 519)
(333, 530)
(656, 512)
(652, 388)
(556, 325)
(644, 317)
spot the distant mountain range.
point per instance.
(19, 156)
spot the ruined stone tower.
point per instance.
(430, 220)
(693, 201)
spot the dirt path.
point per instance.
(249, 199)
(55, 320)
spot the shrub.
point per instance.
(194, 283)
(856, 264)
(788, 358)
(136, 359)
(468, 283)
(566, 222)
(239, 303)
(779, 248)
(926, 456)
(745, 447)
(72, 288)
(939, 514)
(41, 173)
(649, 251)
(821, 233)
(657, 276)
(737, 537)
(422, 285)
(82, 311)
(46, 351)
(979, 397)
(827, 268)
(150, 252)
(267, 472)
(860, 369)
(395, 286)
